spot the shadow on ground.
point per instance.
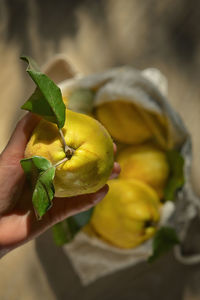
(165, 279)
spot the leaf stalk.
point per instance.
(68, 151)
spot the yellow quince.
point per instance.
(123, 122)
(129, 123)
(145, 162)
(128, 215)
(91, 162)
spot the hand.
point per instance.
(18, 223)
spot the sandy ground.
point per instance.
(97, 35)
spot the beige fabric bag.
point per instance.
(91, 257)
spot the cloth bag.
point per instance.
(91, 257)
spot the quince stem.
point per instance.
(68, 151)
(61, 162)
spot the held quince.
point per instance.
(91, 162)
(128, 215)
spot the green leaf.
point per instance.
(40, 173)
(65, 231)
(176, 176)
(41, 163)
(164, 239)
(44, 192)
(60, 233)
(33, 166)
(32, 64)
(46, 100)
(81, 100)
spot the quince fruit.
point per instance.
(128, 214)
(91, 162)
(123, 122)
(147, 163)
(131, 124)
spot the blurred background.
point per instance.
(97, 35)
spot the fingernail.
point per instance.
(117, 167)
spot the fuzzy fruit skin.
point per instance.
(128, 214)
(146, 163)
(123, 121)
(91, 164)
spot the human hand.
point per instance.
(18, 223)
